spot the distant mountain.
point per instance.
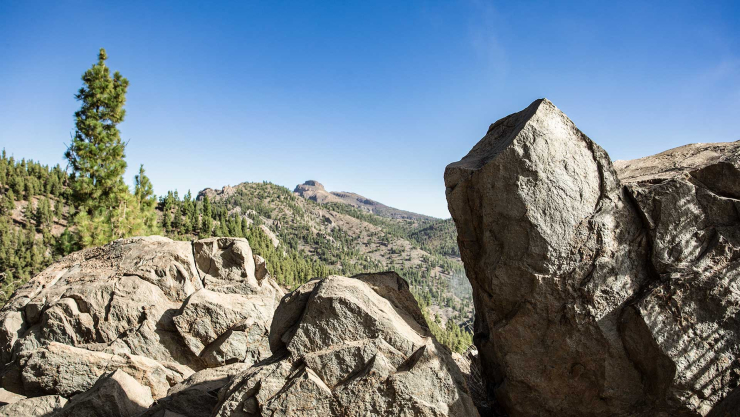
(315, 191)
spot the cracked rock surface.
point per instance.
(600, 288)
(156, 309)
(350, 347)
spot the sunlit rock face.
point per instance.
(155, 308)
(600, 289)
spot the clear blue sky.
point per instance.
(365, 96)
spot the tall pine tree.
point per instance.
(106, 208)
(96, 154)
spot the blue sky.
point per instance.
(365, 96)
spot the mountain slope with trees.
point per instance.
(346, 239)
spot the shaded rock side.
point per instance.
(119, 306)
(589, 300)
(198, 395)
(350, 347)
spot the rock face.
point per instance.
(599, 292)
(350, 347)
(151, 307)
(273, 238)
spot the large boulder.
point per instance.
(139, 305)
(350, 347)
(226, 328)
(597, 295)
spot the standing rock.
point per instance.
(595, 295)
(350, 347)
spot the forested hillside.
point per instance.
(33, 220)
(330, 238)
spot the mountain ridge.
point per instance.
(315, 191)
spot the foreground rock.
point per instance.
(198, 395)
(597, 295)
(116, 394)
(34, 407)
(147, 306)
(350, 347)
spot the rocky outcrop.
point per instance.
(315, 191)
(598, 292)
(156, 309)
(350, 347)
(156, 328)
(224, 192)
(270, 235)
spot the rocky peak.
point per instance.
(313, 190)
(312, 183)
(597, 295)
(212, 194)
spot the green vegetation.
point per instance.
(32, 220)
(451, 335)
(107, 209)
(46, 213)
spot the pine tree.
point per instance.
(43, 216)
(96, 154)
(207, 207)
(144, 193)
(177, 217)
(106, 208)
(166, 222)
(8, 203)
